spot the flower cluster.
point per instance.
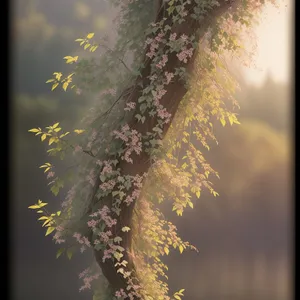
(132, 139)
(82, 240)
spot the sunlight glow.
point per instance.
(274, 45)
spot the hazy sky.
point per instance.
(274, 44)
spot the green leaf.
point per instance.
(60, 252)
(49, 230)
(69, 254)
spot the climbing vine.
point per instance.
(161, 88)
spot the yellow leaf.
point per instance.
(33, 130)
(166, 249)
(90, 35)
(198, 194)
(70, 75)
(223, 122)
(54, 86)
(86, 46)
(33, 206)
(55, 125)
(43, 137)
(125, 229)
(181, 248)
(43, 218)
(65, 85)
(51, 140)
(50, 80)
(79, 131)
(49, 230)
(46, 222)
(57, 75)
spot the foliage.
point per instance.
(130, 156)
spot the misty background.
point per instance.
(244, 236)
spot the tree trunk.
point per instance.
(171, 100)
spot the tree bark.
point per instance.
(171, 101)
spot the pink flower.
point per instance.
(163, 62)
(163, 114)
(109, 185)
(120, 294)
(169, 77)
(184, 54)
(92, 223)
(50, 174)
(83, 273)
(107, 169)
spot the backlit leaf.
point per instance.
(90, 35)
(49, 230)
